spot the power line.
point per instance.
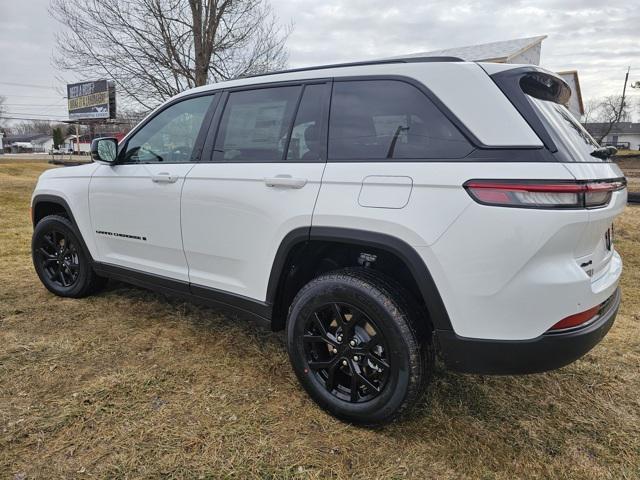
(34, 114)
(33, 104)
(58, 120)
(35, 96)
(14, 84)
(4, 115)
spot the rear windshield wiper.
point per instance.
(604, 152)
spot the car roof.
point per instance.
(465, 88)
(319, 71)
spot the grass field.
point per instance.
(631, 169)
(129, 384)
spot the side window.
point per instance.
(389, 119)
(171, 135)
(308, 137)
(255, 125)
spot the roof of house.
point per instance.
(621, 128)
(487, 52)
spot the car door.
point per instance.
(135, 204)
(260, 183)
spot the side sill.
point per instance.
(195, 293)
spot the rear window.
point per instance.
(389, 119)
(565, 130)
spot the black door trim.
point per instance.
(196, 293)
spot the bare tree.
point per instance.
(129, 118)
(154, 49)
(26, 127)
(608, 111)
(591, 110)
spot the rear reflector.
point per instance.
(577, 319)
(544, 194)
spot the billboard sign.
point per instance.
(91, 100)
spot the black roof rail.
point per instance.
(366, 62)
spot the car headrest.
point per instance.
(311, 134)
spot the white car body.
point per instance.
(502, 274)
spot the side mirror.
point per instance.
(104, 150)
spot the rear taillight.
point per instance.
(544, 194)
(577, 319)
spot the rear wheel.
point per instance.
(355, 344)
(60, 260)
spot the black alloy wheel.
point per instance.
(58, 257)
(347, 352)
(61, 259)
(360, 345)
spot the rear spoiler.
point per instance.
(520, 81)
(546, 86)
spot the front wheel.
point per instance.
(61, 262)
(356, 346)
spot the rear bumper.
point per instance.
(546, 352)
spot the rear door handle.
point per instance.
(164, 177)
(286, 181)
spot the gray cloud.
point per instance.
(597, 39)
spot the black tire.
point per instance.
(314, 337)
(61, 260)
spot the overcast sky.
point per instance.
(598, 38)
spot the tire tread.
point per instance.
(93, 283)
(408, 316)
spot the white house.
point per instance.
(42, 144)
(83, 146)
(519, 50)
(32, 143)
(575, 105)
(623, 135)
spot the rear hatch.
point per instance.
(597, 243)
(540, 97)
(575, 146)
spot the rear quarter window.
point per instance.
(389, 120)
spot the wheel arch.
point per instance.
(43, 205)
(298, 243)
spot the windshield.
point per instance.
(566, 131)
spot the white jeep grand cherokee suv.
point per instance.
(381, 212)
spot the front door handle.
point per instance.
(164, 177)
(286, 181)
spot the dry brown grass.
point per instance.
(129, 384)
(631, 168)
(628, 153)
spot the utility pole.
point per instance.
(77, 139)
(624, 91)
